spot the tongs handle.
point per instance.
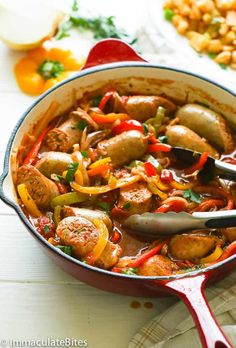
(226, 170)
(217, 219)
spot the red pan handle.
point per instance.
(190, 290)
(110, 51)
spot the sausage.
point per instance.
(53, 163)
(137, 197)
(88, 214)
(141, 107)
(158, 265)
(65, 136)
(191, 246)
(79, 233)
(184, 137)
(208, 124)
(110, 256)
(124, 148)
(229, 233)
(40, 188)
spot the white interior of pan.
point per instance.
(131, 78)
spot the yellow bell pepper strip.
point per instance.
(68, 199)
(42, 68)
(180, 186)
(100, 162)
(28, 201)
(153, 188)
(101, 170)
(108, 118)
(101, 244)
(95, 190)
(214, 256)
(79, 177)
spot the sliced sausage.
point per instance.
(79, 233)
(135, 199)
(110, 256)
(191, 246)
(229, 233)
(53, 163)
(124, 148)
(208, 124)
(158, 265)
(65, 136)
(88, 214)
(141, 107)
(40, 188)
(184, 137)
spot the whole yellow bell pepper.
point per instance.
(43, 68)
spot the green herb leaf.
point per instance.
(126, 206)
(81, 125)
(163, 139)
(85, 154)
(71, 171)
(65, 248)
(211, 55)
(223, 66)
(192, 196)
(145, 128)
(168, 14)
(46, 228)
(105, 206)
(50, 69)
(130, 271)
(64, 29)
(75, 6)
(96, 101)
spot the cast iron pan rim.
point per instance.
(25, 221)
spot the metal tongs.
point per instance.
(155, 224)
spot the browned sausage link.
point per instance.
(88, 214)
(158, 265)
(142, 107)
(136, 199)
(110, 256)
(124, 147)
(65, 136)
(53, 163)
(191, 246)
(79, 233)
(184, 137)
(41, 189)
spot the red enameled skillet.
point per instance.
(112, 61)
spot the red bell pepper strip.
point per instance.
(102, 169)
(207, 205)
(146, 255)
(166, 176)
(176, 204)
(125, 126)
(105, 99)
(228, 251)
(150, 169)
(199, 165)
(159, 147)
(37, 145)
(116, 236)
(62, 189)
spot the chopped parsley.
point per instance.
(105, 206)
(102, 27)
(71, 171)
(168, 14)
(211, 55)
(163, 139)
(223, 66)
(81, 125)
(85, 154)
(130, 271)
(46, 228)
(192, 196)
(96, 101)
(126, 206)
(65, 248)
(50, 69)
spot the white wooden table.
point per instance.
(37, 299)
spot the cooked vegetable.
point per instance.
(98, 173)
